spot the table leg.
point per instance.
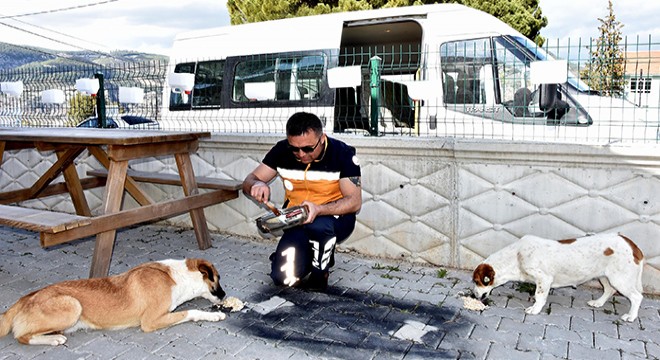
(114, 191)
(2, 150)
(75, 188)
(190, 188)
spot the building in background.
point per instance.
(642, 74)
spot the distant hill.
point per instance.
(18, 57)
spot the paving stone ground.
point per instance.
(373, 309)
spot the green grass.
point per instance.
(378, 266)
(526, 288)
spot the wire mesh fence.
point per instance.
(474, 88)
(49, 98)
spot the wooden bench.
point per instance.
(51, 222)
(174, 179)
(113, 149)
(40, 220)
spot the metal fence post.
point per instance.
(100, 101)
(374, 68)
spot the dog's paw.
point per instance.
(595, 303)
(628, 317)
(199, 315)
(52, 340)
(216, 316)
(533, 310)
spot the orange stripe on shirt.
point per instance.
(316, 191)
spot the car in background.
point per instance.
(123, 122)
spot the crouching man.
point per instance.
(322, 174)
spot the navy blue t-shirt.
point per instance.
(318, 181)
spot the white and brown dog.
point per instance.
(613, 259)
(143, 296)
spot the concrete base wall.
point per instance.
(444, 201)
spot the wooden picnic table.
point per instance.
(113, 148)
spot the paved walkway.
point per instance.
(374, 309)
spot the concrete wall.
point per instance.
(450, 202)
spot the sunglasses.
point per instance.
(305, 149)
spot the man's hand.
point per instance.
(255, 184)
(312, 211)
(260, 191)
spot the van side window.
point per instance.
(463, 64)
(492, 73)
(208, 84)
(514, 81)
(278, 78)
(176, 98)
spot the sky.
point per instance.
(150, 25)
(106, 25)
(579, 18)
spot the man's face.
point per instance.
(306, 147)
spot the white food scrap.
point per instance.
(233, 303)
(471, 303)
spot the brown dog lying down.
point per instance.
(143, 296)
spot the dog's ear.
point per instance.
(483, 275)
(207, 270)
(489, 275)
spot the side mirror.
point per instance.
(548, 75)
(547, 96)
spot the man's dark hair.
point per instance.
(301, 122)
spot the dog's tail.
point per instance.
(5, 325)
(6, 321)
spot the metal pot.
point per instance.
(287, 218)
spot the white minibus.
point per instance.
(443, 70)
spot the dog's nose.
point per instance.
(219, 293)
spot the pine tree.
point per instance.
(605, 70)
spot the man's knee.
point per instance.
(323, 251)
(287, 266)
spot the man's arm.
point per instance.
(351, 202)
(255, 184)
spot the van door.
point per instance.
(397, 42)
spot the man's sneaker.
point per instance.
(317, 281)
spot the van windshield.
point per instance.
(539, 53)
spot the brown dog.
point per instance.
(143, 296)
